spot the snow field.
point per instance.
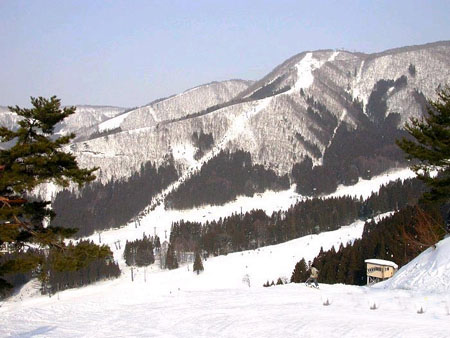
(428, 272)
(228, 300)
(282, 311)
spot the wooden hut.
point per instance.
(379, 270)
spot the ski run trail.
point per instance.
(228, 299)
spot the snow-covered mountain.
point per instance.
(86, 117)
(7, 118)
(191, 101)
(80, 122)
(291, 113)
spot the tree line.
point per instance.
(408, 232)
(255, 229)
(388, 239)
(78, 265)
(363, 152)
(223, 178)
(101, 206)
(140, 252)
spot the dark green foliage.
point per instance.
(203, 142)
(255, 229)
(270, 89)
(431, 146)
(75, 257)
(96, 270)
(383, 240)
(222, 179)
(60, 270)
(353, 153)
(394, 196)
(157, 242)
(15, 269)
(34, 156)
(412, 70)
(171, 258)
(102, 206)
(377, 103)
(320, 113)
(310, 147)
(401, 237)
(139, 252)
(300, 273)
(364, 152)
(198, 265)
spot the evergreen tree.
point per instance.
(171, 258)
(198, 265)
(300, 273)
(34, 156)
(139, 252)
(431, 146)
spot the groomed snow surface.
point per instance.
(228, 299)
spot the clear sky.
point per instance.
(128, 53)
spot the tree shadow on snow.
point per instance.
(39, 331)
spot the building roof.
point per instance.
(381, 262)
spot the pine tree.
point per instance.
(34, 156)
(431, 146)
(198, 265)
(171, 258)
(300, 273)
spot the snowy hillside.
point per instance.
(191, 101)
(79, 122)
(228, 300)
(429, 272)
(158, 221)
(293, 112)
(8, 119)
(86, 117)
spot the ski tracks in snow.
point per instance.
(237, 128)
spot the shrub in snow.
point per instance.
(246, 280)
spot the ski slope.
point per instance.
(159, 220)
(228, 300)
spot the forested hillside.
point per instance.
(222, 179)
(255, 229)
(102, 206)
(353, 153)
(388, 239)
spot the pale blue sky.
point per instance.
(128, 53)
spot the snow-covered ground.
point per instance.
(159, 220)
(429, 272)
(228, 300)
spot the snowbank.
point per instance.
(428, 272)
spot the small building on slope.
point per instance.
(379, 270)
